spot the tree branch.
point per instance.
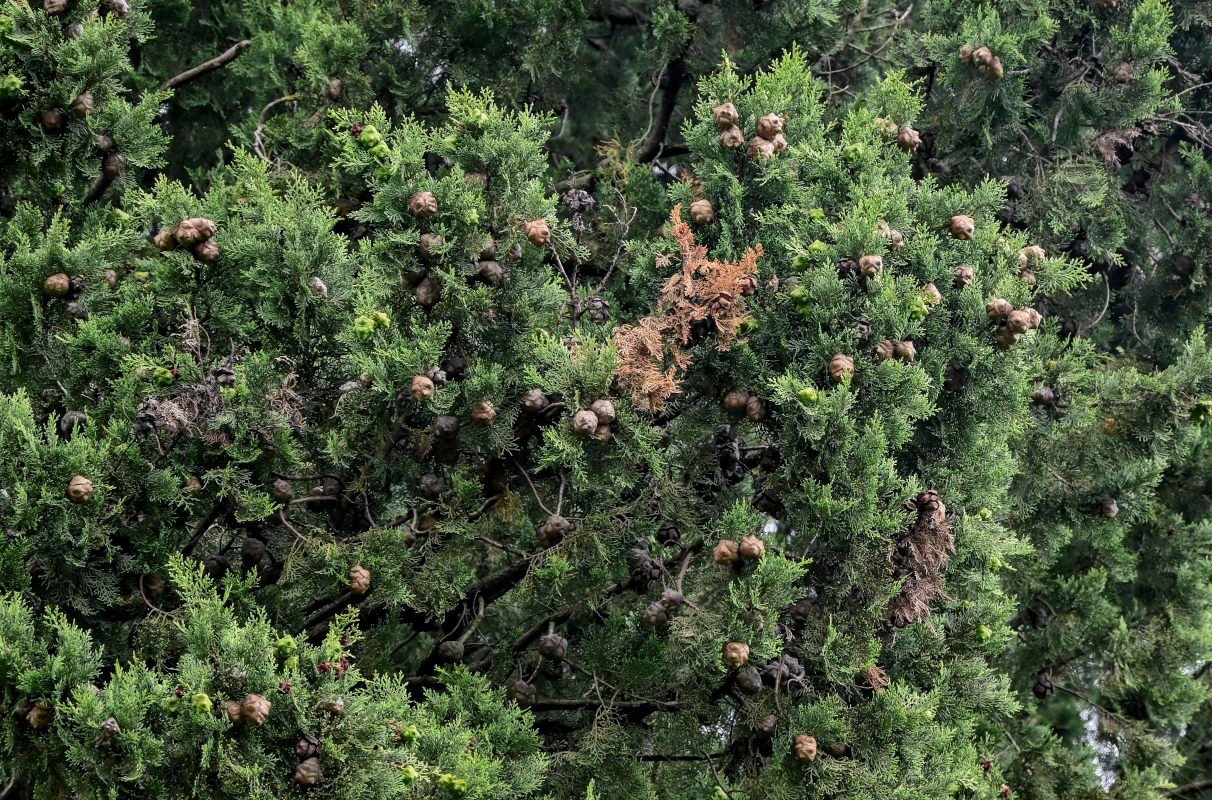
(671, 85)
(221, 60)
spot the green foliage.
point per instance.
(329, 456)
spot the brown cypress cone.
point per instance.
(746, 286)
(1034, 318)
(597, 308)
(207, 252)
(998, 309)
(423, 205)
(752, 547)
(359, 580)
(725, 553)
(538, 232)
(585, 422)
(964, 276)
(54, 6)
(887, 127)
(981, 56)
(884, 350)
(105, 737)
(52, 120)
(993, 70)
(431, 486)
(671, 599)
(725, 115)
(721, 301)
(255, 709)
(191, 231)
(491, 272)
(308, 772)
(111, 278)
(655, 614)
(80, 489)
(252, 550)
(57, 285)
(904, 351)
(334, 706)
(933, 295)
(779, 143)
(1027, 276)
(164, 240)
(761, 149)
(908, 139)
(1007, 338)
(962, 227)
(534, 401)
(553, 646)
(1018, 321)
(755, 409)
(215, 567)
(847, 268)
(736, 401)
(841, 367)
(69, 421)
(153, 585)
(450, 651)
(523, 693)
(234, 712)
(84, 105)
(429, 245)
(749, 682)
(1108, 508)
(428, 292)
(483, 414)
(702, 212)
(334, 87)
(40, 715)
(422, 389)
(956, 378)
(307, 746)
(896, 239)
(736, 654)
(113, 166)
(805, 747)
(553, 531)
(871, 265)
(1123, 73)
(446, 426)
(769, 126)
(604, 411)
(732, 138)
(1029, 255)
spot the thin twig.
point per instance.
(258, 142)
(533, 490)
(1106, 305)
(716, 775)
(221, 60)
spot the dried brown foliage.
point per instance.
(920, 557)
(703, 294)
(876, 678)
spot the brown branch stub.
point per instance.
(223, 59)
(705, 296)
